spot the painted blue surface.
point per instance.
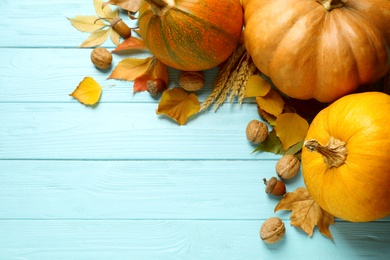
(116, 181)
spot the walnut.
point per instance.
(288, 166)
(256, 131)
(101, 58)
(272, 230)
(191, 80)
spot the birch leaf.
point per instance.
(178, 105)
(131, 68)
(96, 38)
(87, 92)
(87, 23)
(291, 129)
(256, 86)
(305, 212)
(129, 5)
(272, 103)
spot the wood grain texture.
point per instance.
(117, 181)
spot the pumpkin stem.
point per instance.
(334, 152)
(159, 7)
(331, 4)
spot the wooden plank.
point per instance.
(122, 131)
(27, 77)
(176, 239)
(137, 189)
(44, 24)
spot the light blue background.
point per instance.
(116, 181)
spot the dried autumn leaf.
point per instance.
(96, 38)
(271, 103)
(87, 23)
(178, 105)
(156, 70)
(291, 129)
(131, 43)
(131, 68)
(95, 25)
(271, 144)
(129, 5)
(104, 11)
(87, 92)
(305, 212)
(257, 86)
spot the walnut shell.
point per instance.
(101, 58)
(288, 166)
(272, 230)
(191, 80)
(256, 131)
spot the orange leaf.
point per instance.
(272, 103)
(291, 129)
(131, 68)
(131, 43)
(140, 83)
(256, 86)
(305, 212)
(88, 91)
(178, 105)
(156, 70)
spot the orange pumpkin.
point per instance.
(346, 155)
(320, 49)
(191, 35)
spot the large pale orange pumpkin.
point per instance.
(320, 49)
(346, 157)
(191, 35)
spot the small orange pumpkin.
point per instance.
(346, 155)
(320, 49)
(191, 35)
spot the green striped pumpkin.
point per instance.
(191, 35)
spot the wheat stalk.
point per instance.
(223, 77)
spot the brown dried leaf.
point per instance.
(291, 128)
(178, 105)
(87, 92)
(129, 5)
(131, 68)
(305, 212)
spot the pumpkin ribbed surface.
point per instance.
(191, 35)
(350, 177)
(311, 52)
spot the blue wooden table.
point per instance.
(117, 181)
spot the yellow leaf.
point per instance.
(104, 11)
(115, 37)
(88, 91)
(96, 38)
(87, 23)
(178, 105)
(291, 129)
(256, 86)
(272, 103)
(305, 212)
(131, 68)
